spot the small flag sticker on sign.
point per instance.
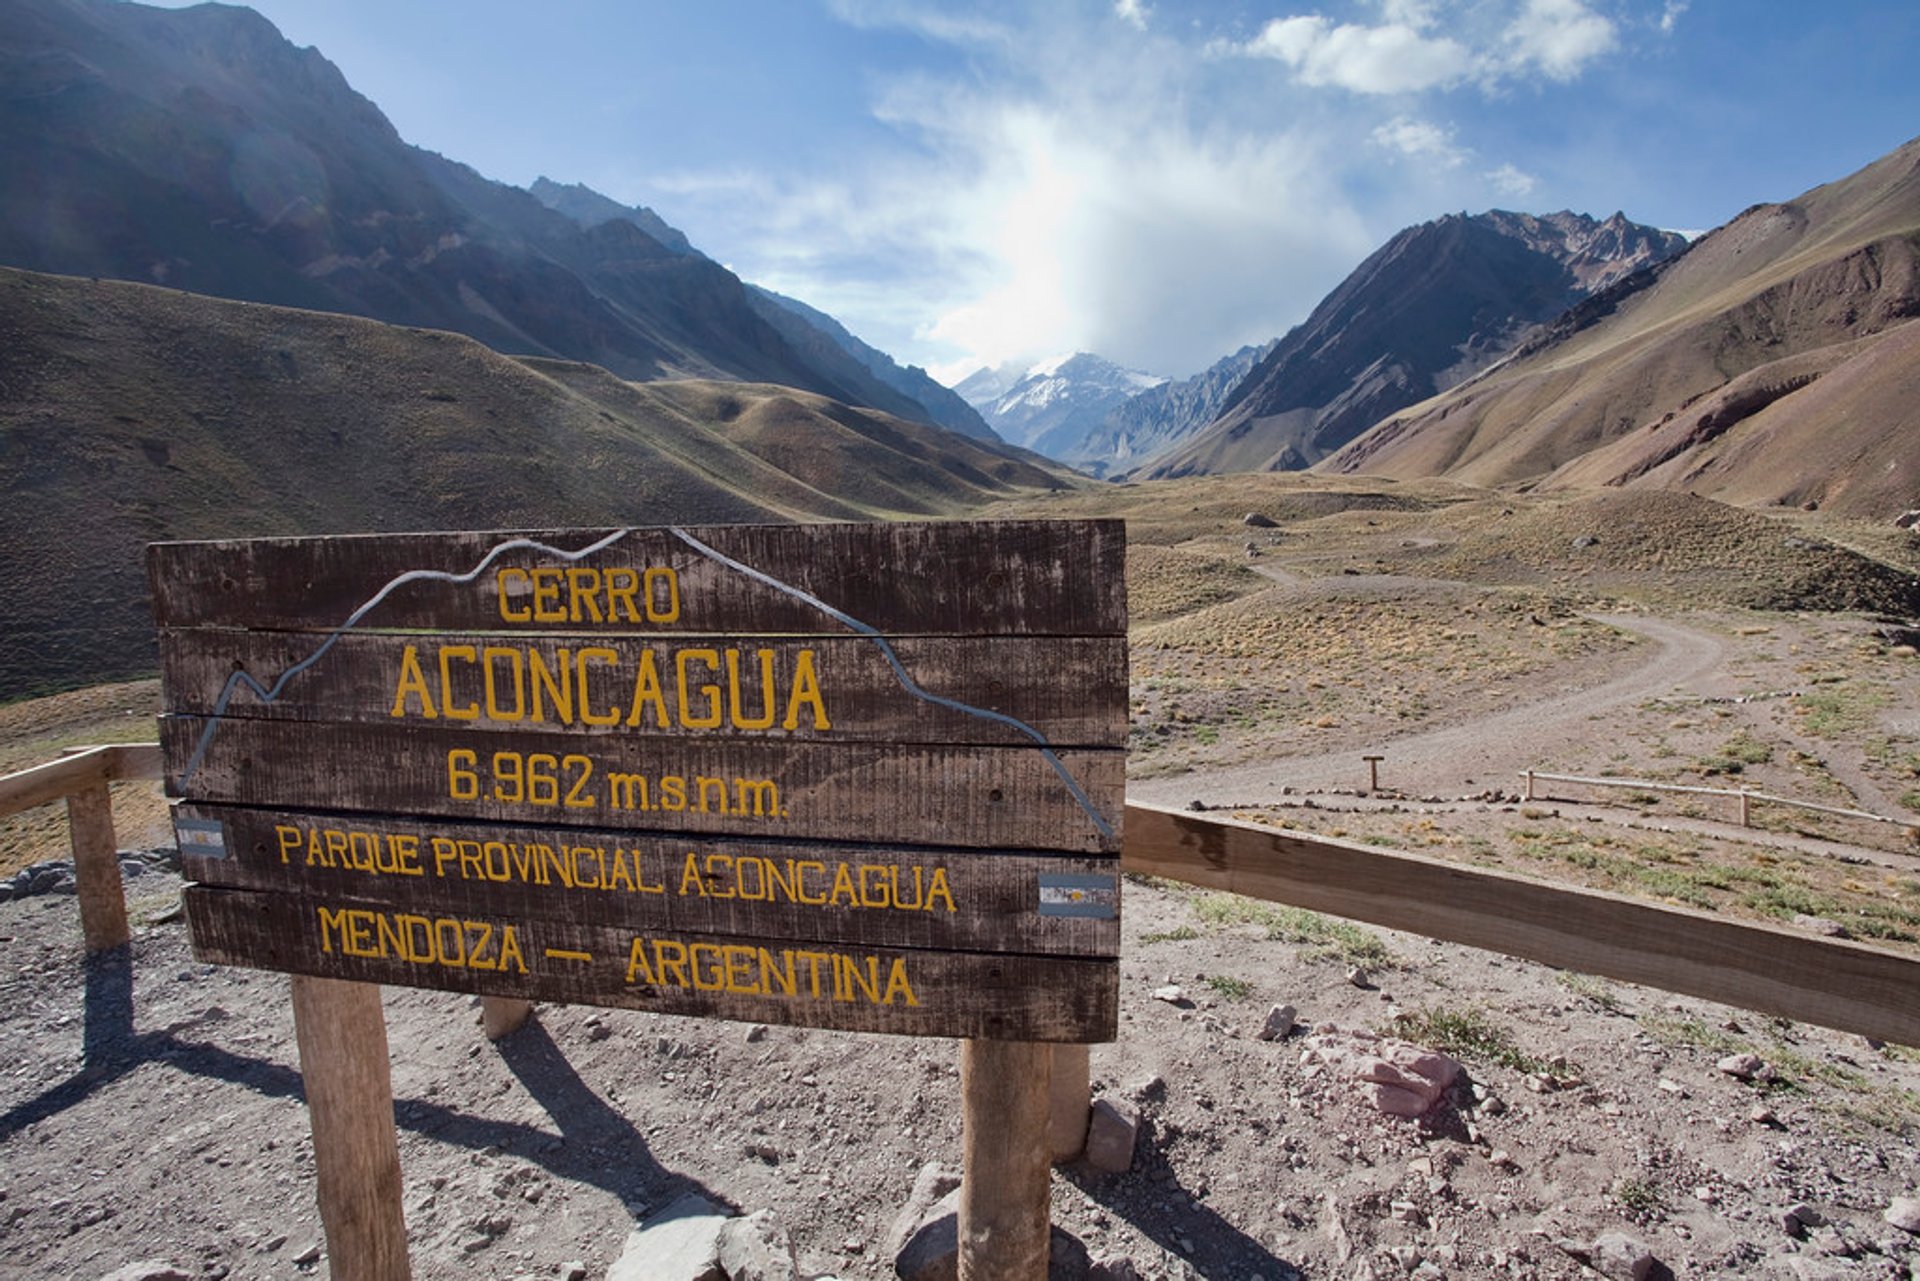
(200, 838)
(1069, 894)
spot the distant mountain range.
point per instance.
(197, 148)
(1054, 406)
(1435, 305)
(1157, 419)
(1776, 362)
(216, 419)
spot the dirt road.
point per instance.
(1487, 751)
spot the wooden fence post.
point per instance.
(1071, 1094)
(1746, 808)
(342, 1035)
(1005, 1192)
(96, 868)
(503, 1015)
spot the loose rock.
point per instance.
(1904, 1213)
(1624, 1258)
(1279, 1024)
(680, 1243)
(1113, 1128)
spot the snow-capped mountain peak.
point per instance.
(1056, 401)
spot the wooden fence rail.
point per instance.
(1835, 983)
(1746, 797)
(82, 777)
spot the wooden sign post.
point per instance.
(851, 776)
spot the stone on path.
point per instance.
(1745, 1067)
(1904, 1213)
(1621, 1257)
(1279, 1024)
(150, 1270)
(1396, 1078)
(680, 1243)
(757, 1248)
(933, 1182)
(1113, 1127)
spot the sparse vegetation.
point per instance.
(1229, 988)
(1466, 1034)
(1322, 936)
(1588, 988)
(1639, 1198)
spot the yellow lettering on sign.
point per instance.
(412, 681)
(446, 941)
(788, 973)
(351, 849)
(548, 683)
(582, 594)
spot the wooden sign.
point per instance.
(855, 776)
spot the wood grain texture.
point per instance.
(1830, 982)
(342, 1036)
(133, 762)
(26, 788)
(921, 993)
(984, 797)
(1058, 578)
(96, 864)
(878, 895)
(1070, 1103)
(1071, 690)
(1005, 1194)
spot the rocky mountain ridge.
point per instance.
(1152, 422)
(1776, 362)
(1436, 304)
(199, 149)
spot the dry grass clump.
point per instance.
(1164, 582)
(1674, 544)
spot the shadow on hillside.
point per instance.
(1153, 1200)
(596, 1146)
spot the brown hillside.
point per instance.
(130, 413)
(1777, 284)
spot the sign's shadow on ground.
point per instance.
(1187, 1228)
(595, 1146)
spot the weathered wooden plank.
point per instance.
(134, 761)
(1054, 578)
(952, 994)
(982, 797)
(870, 895)
(1005, 1197)
(27, 788)
(96, 865)
(1069, 690)
(341, 1033)
(1831, 982)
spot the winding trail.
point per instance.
(1485, 751)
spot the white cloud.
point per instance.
(1558, 37)
(1420, 139)
(1417, 14)
(1671, 18)
(1511, 181)
(1395, 58)
(1408, 52)
(1166, 202)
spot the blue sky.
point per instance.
(1158, 182)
